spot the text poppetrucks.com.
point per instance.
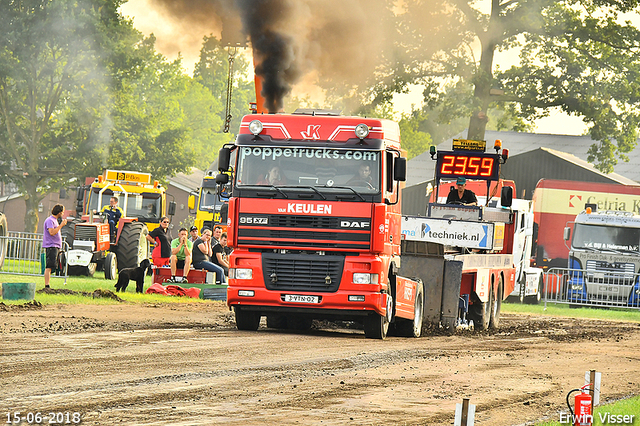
(605, 418)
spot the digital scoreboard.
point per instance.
(471, 165)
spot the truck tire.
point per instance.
(110, 266)
(480, 312)
(494, 322)
(132, 245)
(376, 326)
(276, 321)
(412, 328)
(534, 300)
(247, 320)
(3, 239)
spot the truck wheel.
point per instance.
(480, 312)
(132, 245)
(297, 322)
(110, 267)
(494, 323)
(68, 232)
(376, 326)
(3, 240)
(412, 328)
(247, 320)
(534, 300)
(276, 321)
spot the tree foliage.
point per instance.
(577, 55)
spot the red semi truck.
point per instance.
(556, 203)
(315, 223)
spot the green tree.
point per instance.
(56, 58)
(578, 55)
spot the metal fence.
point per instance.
(24, 255)
(587, 287)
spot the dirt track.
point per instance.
(188, 365)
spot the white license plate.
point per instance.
(298, 298)
(611, 289)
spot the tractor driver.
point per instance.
(460, 195)
(113, 214)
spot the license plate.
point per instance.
(611, 289)
(298, 298)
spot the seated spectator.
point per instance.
(193, 234)
(202, 253)
(219, 255)
(181, 256)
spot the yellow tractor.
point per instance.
(91, 246)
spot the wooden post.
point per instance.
(465, 412)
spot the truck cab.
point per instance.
(604, 258)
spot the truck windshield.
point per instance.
(327, 167)
(605, 237)
(144, 205)
(209, 200)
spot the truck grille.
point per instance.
(302, 272)
(286, 231)
(613, 273)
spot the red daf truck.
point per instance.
(315, 223)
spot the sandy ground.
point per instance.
(176, 364)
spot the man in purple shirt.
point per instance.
(52, 240)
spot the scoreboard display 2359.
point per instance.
(453, 164)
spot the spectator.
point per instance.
(193, 234)
(217, 231)
(52, 240)
(219, 255)
(181, 256)
(113, 214)
(202, 254)
(161, 254)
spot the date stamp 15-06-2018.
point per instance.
(49, 418)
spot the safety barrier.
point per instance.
(24, 255)
(590, 287)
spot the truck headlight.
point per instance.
(241, 273)
(360, 278)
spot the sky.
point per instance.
(175, 38)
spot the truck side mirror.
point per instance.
(400, 169)
(567, 233)
(506, 196)
(191, 202)
(224, 155)
(222, 179)
(172, 208)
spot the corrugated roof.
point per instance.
(188, 182)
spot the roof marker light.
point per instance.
(255, 127)
(362, 130)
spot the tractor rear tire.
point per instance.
(3, 239)
(133, 246)
(68, 232)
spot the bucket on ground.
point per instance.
(18, 291)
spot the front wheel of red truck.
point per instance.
(412, 328)
(480, 312)
(377, 326)
(247, 320)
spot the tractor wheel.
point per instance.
(412, 328)
(68, 232)
(110, 267)
(3, 239)
(133, 246)
(480, 312)
(494, 322)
